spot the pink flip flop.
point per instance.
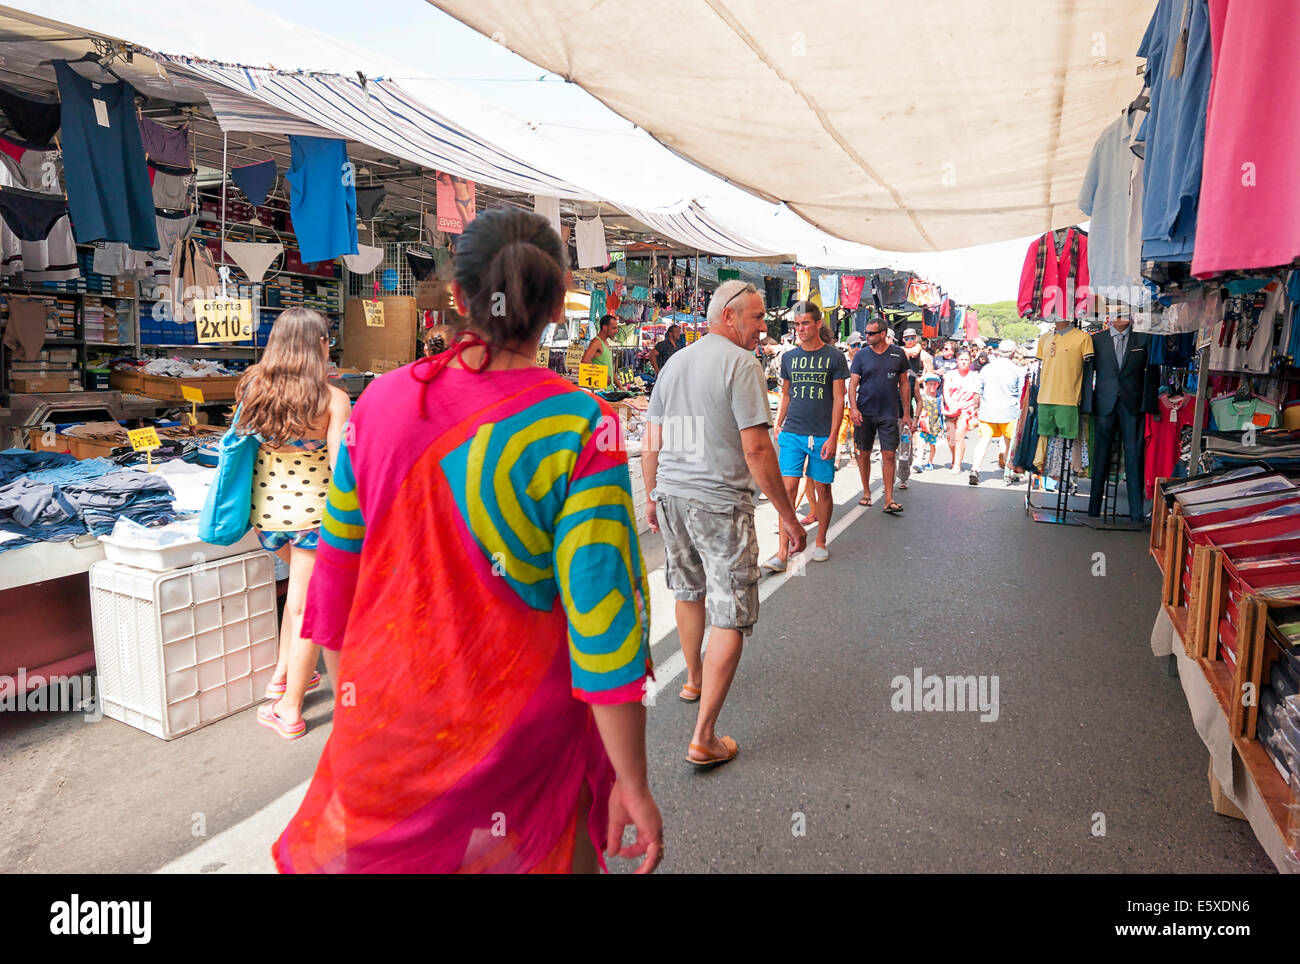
(275, 690)
(270, 719)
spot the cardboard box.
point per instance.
(39, 384)
(433, 295)
(389, 347)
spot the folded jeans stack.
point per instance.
(138, 496)
(36, 512)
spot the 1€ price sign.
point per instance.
(223, 319)
(593, 376)
(374, 313)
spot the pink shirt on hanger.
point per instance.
(1250, 195)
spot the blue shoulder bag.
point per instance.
(225, 516)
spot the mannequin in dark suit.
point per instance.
(1118, 399)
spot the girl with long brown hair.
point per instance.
(299, 417)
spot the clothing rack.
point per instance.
(1061, 514)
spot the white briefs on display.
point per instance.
(254, 257)
(366, 260)
(549, 208)
(590, 237)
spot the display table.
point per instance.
(45, 596)
(1242, 768)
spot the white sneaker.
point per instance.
(775, 564)
(820, 554)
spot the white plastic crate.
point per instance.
(178, 650)
(177, 554)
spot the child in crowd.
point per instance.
(929, 421)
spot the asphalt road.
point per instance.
(830, 777)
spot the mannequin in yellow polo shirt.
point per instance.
(1060, 385)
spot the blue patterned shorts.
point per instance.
(302, 538)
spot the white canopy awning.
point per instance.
(948, 124)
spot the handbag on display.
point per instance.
(225, 516)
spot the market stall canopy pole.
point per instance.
(962, 123)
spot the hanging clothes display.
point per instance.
(1164, 437)
(1177, 51)
(366, 260)
(171, 191)
(193, 275)
(31, 118)
(1054, 278)
(322, 197)
(590, 238)
(369, 200)
(596, 309)
(803, 282)
(828, 285)
(772, 292)
(1243, 339)
(24, 330)
(1249, 217)
(36, 238)
(970, 321)
(169, 146)
(851, 286)
(109, 196)
(172, 226)
(422, 264)
(254, 258)
(549, 208)
(255, 180)
(1108, 198)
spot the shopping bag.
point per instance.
(225, 516)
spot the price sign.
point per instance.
(692, 335)
(544, 355)
(374, 313)
(573, 357)
(593, 376)
(144, 439)
(223, 319)
(192, 394)
(626, 375)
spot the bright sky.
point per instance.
(408, 39)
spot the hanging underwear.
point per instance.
(422, 264)
(169, 191)
(38, 238)
(29, 214)
(366, 260)
(368, 201)
(255, 180)
(34, 119)
(115, 259)
(165, 145)
(172, 226)
(254, 257)
(16, 151)
(25, 331)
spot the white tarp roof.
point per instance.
(935, 125)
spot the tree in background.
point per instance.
(1001, 320)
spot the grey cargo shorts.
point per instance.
(712, 553)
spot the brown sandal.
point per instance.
(712, 761)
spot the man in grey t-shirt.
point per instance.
(707, 444)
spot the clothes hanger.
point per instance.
(92, 57)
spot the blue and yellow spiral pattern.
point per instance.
(553, 515)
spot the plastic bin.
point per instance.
(181, 649)
(178, 555)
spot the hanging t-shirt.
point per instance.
(322, 197)
(829, 286)
(590, 238)
(549, 208)
(1243, 340)
(1250, 199)
(1233, 415)
(1164, 432)
(1062, 355)
(1106, 197)
(803, 281)
(109, 196)
(851, 290)
(1177, 51)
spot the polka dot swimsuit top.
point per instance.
(289, 487)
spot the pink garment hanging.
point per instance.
(851, 290)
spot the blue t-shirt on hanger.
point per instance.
(109, 197)
(322, 197)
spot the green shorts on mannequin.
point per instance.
(1058, 421)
